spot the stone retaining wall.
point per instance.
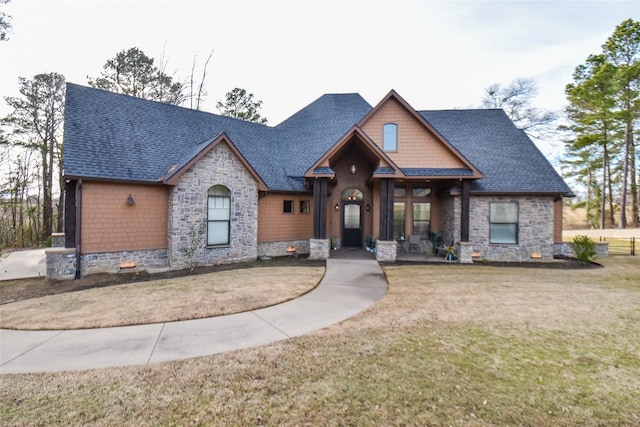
(275, 249)
(565, 249)
(114, 262)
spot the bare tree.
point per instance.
(197, 95)
(5, 23)
(516, 99)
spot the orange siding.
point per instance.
(109, 224)
(274, 225)
(417, 146)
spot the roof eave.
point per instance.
(75, 177)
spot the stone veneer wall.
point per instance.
(60, 263)
(535, 229)
(451, 208)
(113, 262)
(275, 249)
(188, 212)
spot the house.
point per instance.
(152, 185)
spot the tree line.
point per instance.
(31, 151)
(602, 118)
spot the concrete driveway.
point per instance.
(23, 264)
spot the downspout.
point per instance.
(78, 225)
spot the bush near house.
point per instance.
(584, 247)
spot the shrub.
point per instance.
(584, 247)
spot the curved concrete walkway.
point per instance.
(348, 287)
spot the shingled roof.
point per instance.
(509, 160)
(116, 137)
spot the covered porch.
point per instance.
(361, 198)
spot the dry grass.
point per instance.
(188, 297)
(449, 345)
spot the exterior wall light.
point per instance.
(368, 207)
(337, 207)
(130, 200)
(353, 169)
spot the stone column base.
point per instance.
(61, 263)
(602, 249)
(319, 249)
(386, 250)
(465, 254)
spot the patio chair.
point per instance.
(414, 243)
(437, 242)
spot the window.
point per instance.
(398, 192)
(305, 206)
(352, 194)
(421, 192)
(390, 137)
(503, 222)
(421, 219)
(398, 220)
(288, 206)
(218, 215)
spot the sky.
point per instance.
(435, 54)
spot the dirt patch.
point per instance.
(18, 290)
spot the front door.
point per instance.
(352, 224)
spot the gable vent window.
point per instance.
(218, 215)
(390, 137)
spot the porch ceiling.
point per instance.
(355, 146)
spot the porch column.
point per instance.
(386, 209)
(70, 214)
(320, 208)
(464, 214)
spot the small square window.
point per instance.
(288, 206)
(304, 206)
(399, 192)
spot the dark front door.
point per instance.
(352, 224)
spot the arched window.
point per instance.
(218, 215)
(390, 137)
(352, 194)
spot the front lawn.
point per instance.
(449, 345)
(164, 300)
